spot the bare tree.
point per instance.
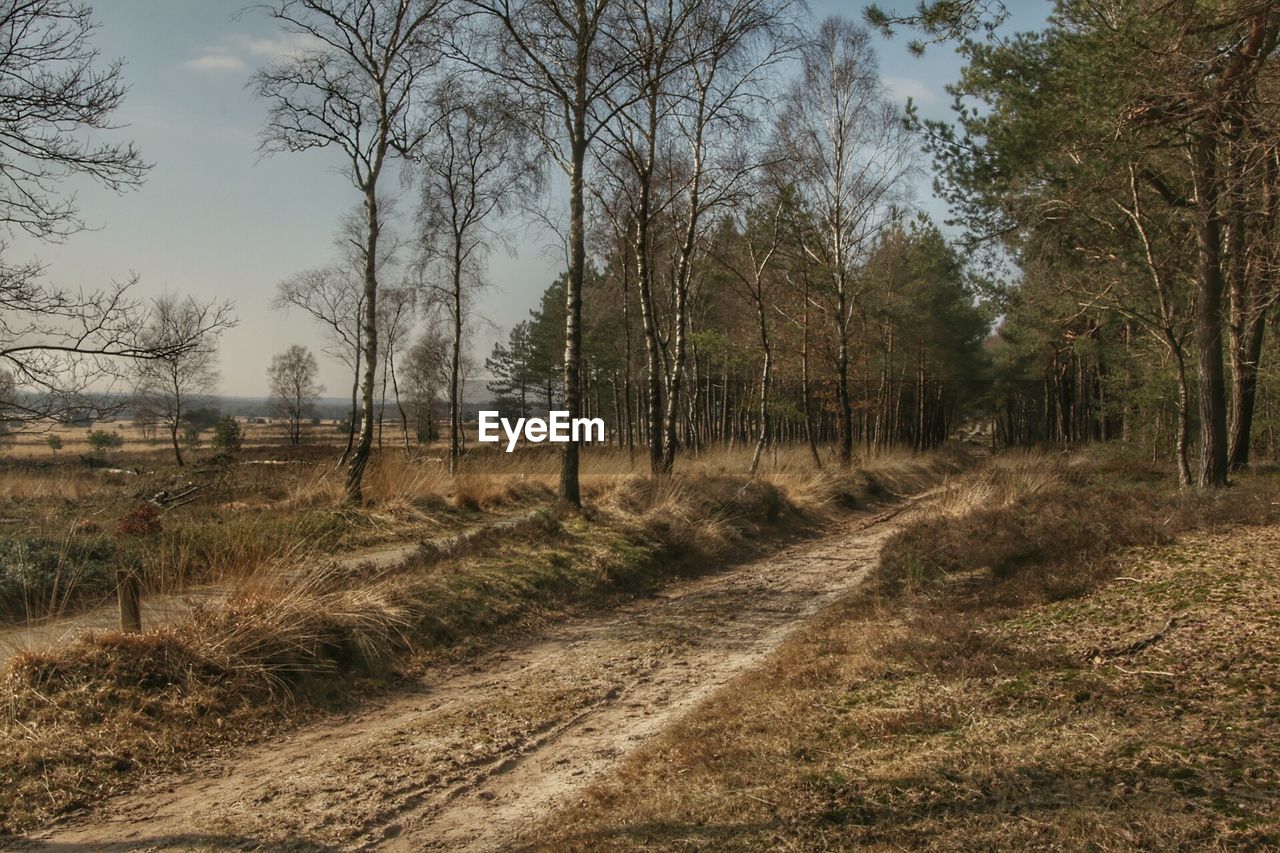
(426, 371)
(336, 301)
(294, 389)
(395, 320)
(753, 251)
(65, 351)
(731, 47)
(62, 349)
(477, 165)
(355, 86)
(848, 149)
(561, 55)
(645, 103)
(676, 152)
(168, 385)
(53, 89)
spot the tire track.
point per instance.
(474, 759)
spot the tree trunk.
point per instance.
(1248, 321)
(806, 390)
(766, 375)
(649, 324)
(1245, 356)
(395, 389)
(844, 435)
(382, 404)
(355, 396)
(455, 363)
(177, 451)
(1183, 439)
(617, 409)
(1209, 286)
(569, 486)
(360, 458)
(683, 278)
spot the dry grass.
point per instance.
(66, 484)
(304, 637)
(32, 445)
(1041, 527)
(1069, 692)
(248, 518)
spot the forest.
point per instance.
(739, 274)
(753, 277)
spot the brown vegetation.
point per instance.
(1016, 676)
(80, 721)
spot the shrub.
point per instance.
(41, 575)
(139, 521)
(101, 441)
(54, 442)
(1032, 528)
(228, 437)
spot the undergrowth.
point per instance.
(1030, 527)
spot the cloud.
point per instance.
(901, 88)
(215, 63)
(278, 47)
(238, 51)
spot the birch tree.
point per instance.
(294, 389)
(849, 151)
(355, 85)
(331, 298)
(563, 59)
(477, 167)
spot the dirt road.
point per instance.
(475, 757)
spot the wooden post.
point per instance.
(129, 592)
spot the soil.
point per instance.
(477, 753)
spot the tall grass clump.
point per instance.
(1038, 525)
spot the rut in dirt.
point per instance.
(476, 758)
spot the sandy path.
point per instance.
(472, 760)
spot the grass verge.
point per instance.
(83, 721)
(1035, 665)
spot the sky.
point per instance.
(217, 219)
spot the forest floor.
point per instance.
(476, 754)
